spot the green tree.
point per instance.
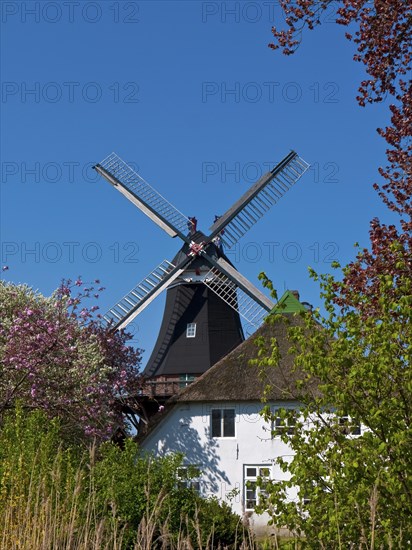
(354, 490)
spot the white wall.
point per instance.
(186, 429)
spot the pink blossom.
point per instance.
(40, 348)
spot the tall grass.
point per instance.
(56, 513)
(47, 496)
(58, 497)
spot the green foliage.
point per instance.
(219, 523)
(353, 490)
(57, 496)
(41, 480)
(137, 485)
(130, 485)
(28, 448)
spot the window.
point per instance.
(185, 380)
(191, 330)
(223, 423)
(349, 426)
(188, 477)
(283, 424)
(253, 494)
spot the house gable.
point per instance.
(224, 459)
(289, 303)
(198, 420)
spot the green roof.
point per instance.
(288, 303)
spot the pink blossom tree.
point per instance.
(55, 357)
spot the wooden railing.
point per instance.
(163, 388)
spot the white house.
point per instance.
(215, 422)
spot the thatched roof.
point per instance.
(237, 378)
(234, 378)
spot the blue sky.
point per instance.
(189, 93)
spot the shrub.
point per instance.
(61, 496)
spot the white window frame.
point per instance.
(280, 425)
(184, 481)
(223, 427)
(253, 492)
(191, 330)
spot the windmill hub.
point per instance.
(195, 248)
(199, 267)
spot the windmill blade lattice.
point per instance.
(238, 300)
(138, 191)
(223, 279)
(258, 200)
(142, 294)
(239, 293)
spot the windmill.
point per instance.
(206, 295)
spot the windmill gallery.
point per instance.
(201, 397)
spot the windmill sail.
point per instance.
(140, 193)
(258, 200)
(238, 292)
(142, 294)
(222, 279)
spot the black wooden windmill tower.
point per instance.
(206, 295)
